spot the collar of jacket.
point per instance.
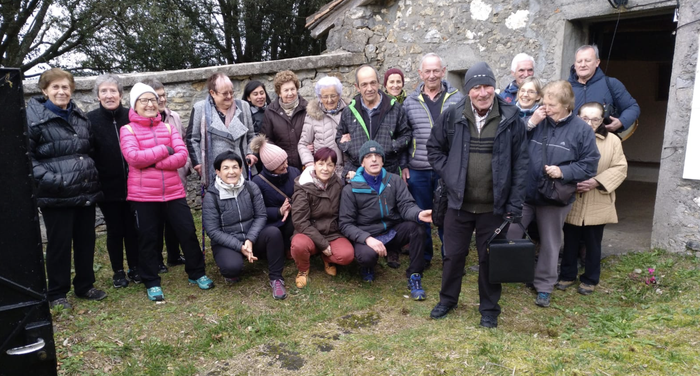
(384, 107)
(359, 184)
(45, 114)
(597, 76)
(275, 107)
(145, 121)
(507, 111)
(446, 87)
(313, 109)
(113, 113)
(277, 180)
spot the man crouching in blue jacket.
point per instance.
(378, 214)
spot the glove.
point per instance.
(170, 150)
(512, 218)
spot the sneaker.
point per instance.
(302, 278)
(367, 274)
(232, 280)
(392, 259)
(543, 299)
(155, 294)
(414, 284)
(178, 261)
(162, 269)
(563, 285)
(278, 291)
(61, 302)
(441, 311)
(329, 268)
(119, 280)
(133, 276)
(585, 289)
(93, 294)
(203, 282)
(489, 321)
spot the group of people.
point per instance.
(349, 179)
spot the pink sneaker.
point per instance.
(278, 291)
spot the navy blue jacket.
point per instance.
(510, 93)
(274, 200)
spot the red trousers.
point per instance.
(303, 248)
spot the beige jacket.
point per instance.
(319, 130)
(597, 207)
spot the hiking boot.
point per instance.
(155, 294)
(162, 268)
(329, 268)
(134, 276)
(367, 274)
(278, 291)
(489, 321)
(232, 280)
(61, 302)
(414, 284)
(119, 280)
(441, 311)
(563, 285)
(302, 279)
(543, 299)
(203, 282)
(93, 294)
(180, 260)
(392, 259)
(585, 289)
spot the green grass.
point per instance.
(341, 326)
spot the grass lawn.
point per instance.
(342, 326)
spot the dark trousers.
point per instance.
(172, 245)
(459, 227)
(422, 184)
(592, 237)
(269, 245)
(406, 232)
(66, 227)
(150, 217)
(121, 234)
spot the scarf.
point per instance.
(330, 112)
(64, 114)
(527, 112)
(317, 182)
(399, 98)
(289, 107)
(228, 191)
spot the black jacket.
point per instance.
(274, 200)
(111, 166)
(284, 131)
(64, 172)
(509, 161)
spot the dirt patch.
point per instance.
(354, 321)
(289, 360)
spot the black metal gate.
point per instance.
(26, 332)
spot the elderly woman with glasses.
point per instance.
(321, 123)
(217, 124)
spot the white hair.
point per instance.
(326, 82)
(520, 58)
(431, 54)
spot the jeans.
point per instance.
(422, 184)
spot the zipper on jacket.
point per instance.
(162, 174)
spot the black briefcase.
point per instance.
(511, 261)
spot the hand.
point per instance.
(426, 216)
(310, 147)
(405, 174)
(614, 125)
(587, 185)
(350, 175)
(252, 158)
(512, 218)
(284, 209)
(247, 251)
(198, 168)
(376, 245)
(327, 251)
(345, 138)
(538, 115)
(554, 172)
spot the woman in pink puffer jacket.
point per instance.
(154, 152)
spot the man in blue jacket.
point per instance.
(590, 84)
(522, 67)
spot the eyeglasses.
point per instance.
(528, 92)
(225, 94)
(331, 97)
(146, 101)
(592, 121)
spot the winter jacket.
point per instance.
(232, 221)
(596, 90)
(219, 138)
(421, 123)
(284, 131)
(152, 170)
(509, 158)
(274, 200)
(365, 212)
(111, 166)
(510, 93)
(173, 118)
(597, 207)
(258, 117)
(315, 211)
(320, 129)
(570, 145)
(64, 172)
(394, 133)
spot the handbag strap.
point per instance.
(544, 145)
(503, 225)
(273, 186)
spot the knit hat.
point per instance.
(479, 74)
(138, 90)
(272, 156)
(390, 72)
(371, 146)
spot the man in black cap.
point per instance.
(378, 214)
(479, 148)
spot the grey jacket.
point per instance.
(230, 222)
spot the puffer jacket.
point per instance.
(173, 118)
(284, 131)
(365, 212)
(274, 200)
(230, 222)
(64, 172)
(315, 211)
(113, 170)
(597, 207)
(421, 122)
(570, 145)
(320, 129)
(152, 170)
(596, 90)
(392, 132)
